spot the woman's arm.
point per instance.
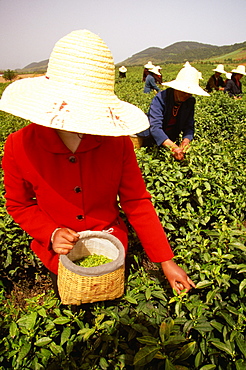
(156, 116)
(21, 202)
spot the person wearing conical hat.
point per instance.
(158, 78)
(171, 112)
(66, 171)
(122, 72)
(233, 86)
(147, 66)
(150, 83)
(216, 82)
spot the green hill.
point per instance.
(38, 67)
(238, 56)
(178, 52)
(183, 51)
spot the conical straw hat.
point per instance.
(240, 69)
(220, 69)
(155, 70)
(77, 93)
(187, 80)
(123, 69)
(149, 65)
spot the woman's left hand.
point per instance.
(177, 277)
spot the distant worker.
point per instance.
(150, 84)
(122, 72)
(228, 77)
(234, 86)
(158, 78)
(216, 82)
(172, 113)
(147, 66)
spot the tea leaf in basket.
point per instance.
(93, 260)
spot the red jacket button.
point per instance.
(72, 159)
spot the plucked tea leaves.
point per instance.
(93, 260)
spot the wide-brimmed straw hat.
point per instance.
(155, 70)
(149, 65)
(123, 69)
(240, 70)
(77, 93)
(220, 69)
(187, 80)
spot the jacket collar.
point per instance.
(51, 142)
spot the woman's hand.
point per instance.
(64, 240)
(178, 153)
(185, 144)
(176, 276)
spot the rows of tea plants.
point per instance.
(201, 203)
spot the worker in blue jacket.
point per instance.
(171, 112)
(150, 82)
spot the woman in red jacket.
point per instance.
(66, 172)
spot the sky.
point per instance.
(29, 29)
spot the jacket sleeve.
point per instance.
(210, 84)
(136, 203)
(156, 116)
(21, 201)
(153, 84)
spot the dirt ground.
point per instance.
(18, 77)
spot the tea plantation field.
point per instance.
(201, 203)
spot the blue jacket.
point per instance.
(159, 115)
(150, 84)
(232, 89)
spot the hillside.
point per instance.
(38, 67)
(238, 56)
(185, 50)
(176, 53)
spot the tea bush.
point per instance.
(201, 203)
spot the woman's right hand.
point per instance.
(178, 153)
(64, 240)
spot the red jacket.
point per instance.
(48, 186)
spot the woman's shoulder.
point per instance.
(118, 144)
(22, 131)
(17, 135)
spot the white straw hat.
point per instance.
(149, 65)
(155, 70)
(123, 69)
(77, 93)
(220, 69)
(187, 80)
(240, 69)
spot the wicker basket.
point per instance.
(137, 141)
(78, 284)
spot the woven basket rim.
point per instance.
(97, 270)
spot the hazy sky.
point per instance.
(30, 28)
